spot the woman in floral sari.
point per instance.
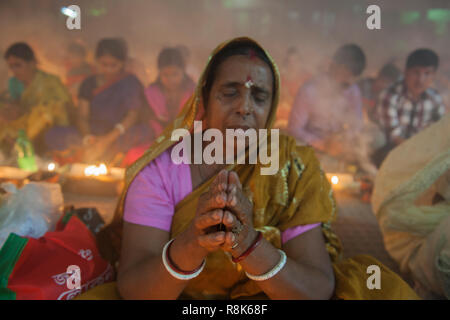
(40, 100)
(274, 238)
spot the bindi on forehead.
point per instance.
(249, 82)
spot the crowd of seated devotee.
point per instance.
(100, 110)
(97, 111)
(361, 120)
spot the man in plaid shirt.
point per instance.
(410, 105)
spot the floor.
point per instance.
(358, 230)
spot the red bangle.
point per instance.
(250, 249)
(172, 265)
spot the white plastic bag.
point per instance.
(30, 211)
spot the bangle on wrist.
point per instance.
(270, 273)
(175, 272)
(120, 127)
(250, 249)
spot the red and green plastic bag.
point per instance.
(37, 269)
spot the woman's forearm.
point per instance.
(83, 117)
(149, 279)
(129, 120)
(294, 281)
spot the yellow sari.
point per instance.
(45, 102)
(415, 230)
(298, 194)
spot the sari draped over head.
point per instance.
(416, 230)
(45, 103)
(297, 194)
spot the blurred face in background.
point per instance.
(21, 69)
(171, 77)
(418, 79)
(109, 66)
(342, 75)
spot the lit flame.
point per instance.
(334, 180)
(96, 170)
(51, 166)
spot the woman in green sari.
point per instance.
(40, 99)
(275, 239)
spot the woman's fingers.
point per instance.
(211, 241)
(230, 220)
(239, 204)
(209, 201)
(225, 240)
(209, 219)
(230, 241)
(231, 197)
(223, 180)
(234, 228)
(234, 185)
(220, 183)
(225, 191)
(216, 197)
(233, 181)
(219, 240)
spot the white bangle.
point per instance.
(272, 272)
(120, 127)
(175, 274)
